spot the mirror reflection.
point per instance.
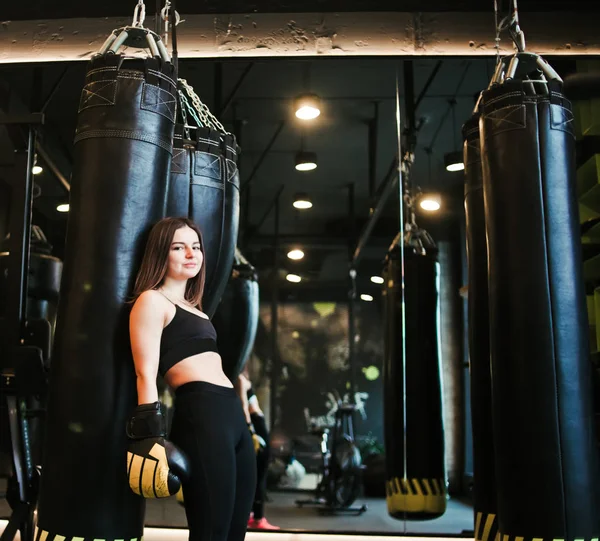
(343, 323)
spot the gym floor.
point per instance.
(282, 511)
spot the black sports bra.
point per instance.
(187, 334)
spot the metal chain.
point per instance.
(199, 109)
(190, 109)
(497, 40)
(139, 14)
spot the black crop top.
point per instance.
(186, 335)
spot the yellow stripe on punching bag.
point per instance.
(408, 496)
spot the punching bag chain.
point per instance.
(139, 14)
(497, 28)
(199, 110)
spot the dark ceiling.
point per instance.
(58, 9)
(351, 89)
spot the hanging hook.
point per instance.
(511, 24)
(165, 16)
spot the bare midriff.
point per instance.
(205, 366)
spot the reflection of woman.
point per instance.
(171, 335)
(256, 422)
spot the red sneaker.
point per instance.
(261, 524)
(250, 520)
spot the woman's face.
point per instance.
(185, 255)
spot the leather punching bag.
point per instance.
(547, 470)
(44, 276)
(236, 319)
(414, 434)
(205, 186)
(484, 475)
(122, 154)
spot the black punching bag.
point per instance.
(236, 318)
(43, 281)
(205, 187)
(546, 457)
(414, 434)
(122, 154)
(484, 475)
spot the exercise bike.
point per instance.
(341, 477)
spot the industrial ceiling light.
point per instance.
(430, 202)
(377, 279)
(365, 297)
(306, 161)
(36, 169)
(294, 278)
(308, 106)
(63, 207)
(454, 161)
(302, 201)
(295, 254)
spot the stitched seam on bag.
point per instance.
(149, 106)
(198, 170)
(503, 97)
(162, 76)
(98, 70)
(208, 141)
(176, 167)
(231, 174)
(90, 95)
(208, 183)
(126, 134)
(565, 126)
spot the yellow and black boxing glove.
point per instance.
(155, 466)
(258, 442)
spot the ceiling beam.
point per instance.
(310, 34)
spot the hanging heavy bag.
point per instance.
(546, 458)
(236, 319)
(205, 187)
(484, 476)
(122, 154)
(414, 433)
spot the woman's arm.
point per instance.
(146, 324)
(240, 389)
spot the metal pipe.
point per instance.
(52, 166)
(263, 156)
(428, 83)
(55, 88)
(236, 88)
(218, 87)
(389, 183)
(373, 132)
(351, 296)
(273, 203)
(275, 364)
(19, 242)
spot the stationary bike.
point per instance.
(341, 477)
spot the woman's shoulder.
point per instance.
(151, 300)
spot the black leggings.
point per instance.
(209, 426)
(262, 465)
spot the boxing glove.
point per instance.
(258, 442)
(155, 466)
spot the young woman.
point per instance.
(171, 335)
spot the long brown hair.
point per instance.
(156, 261)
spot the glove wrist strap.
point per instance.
(147, 421)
